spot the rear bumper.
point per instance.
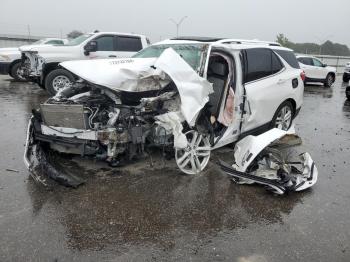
(4, 68)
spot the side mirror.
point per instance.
(90, 47)
(324, 65)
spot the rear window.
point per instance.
(289, 57)
(129, 44)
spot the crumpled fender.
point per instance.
(247, 149)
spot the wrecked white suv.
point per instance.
(189, 96)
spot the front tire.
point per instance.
(57, 80)
(329, 80)
(16, 72)
(283, 117)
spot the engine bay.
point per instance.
(86, 120)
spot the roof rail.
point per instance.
(244, 41)
(198, 38)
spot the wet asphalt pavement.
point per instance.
(144, 213)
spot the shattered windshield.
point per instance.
(78, 40)
(191, 53)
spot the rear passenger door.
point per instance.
(267, 84)
(127, 46)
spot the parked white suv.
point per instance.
(10, 58)
(316, 71)
(191, 94)
(346, 75)
(41, 64)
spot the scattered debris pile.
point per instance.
(260, 159)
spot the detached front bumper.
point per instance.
(4, 68)
(40, 166)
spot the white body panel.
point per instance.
(265, 95)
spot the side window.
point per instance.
(105, 43)
(276, 64)
(317, 62)
(305, 60)
(129, 44)
(260, 63)
(289, 57)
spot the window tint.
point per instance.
(276, 64)
(289, 57)
(305, 60)
(129, 44)
(105, 43)
(260, 63)
(317, 62)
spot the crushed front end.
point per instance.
(32, 66)
(144, 105)
(97, 124)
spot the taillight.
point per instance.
(302, 75)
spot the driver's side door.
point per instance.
(320, 70)
(106, 47)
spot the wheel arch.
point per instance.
(12, 64)
(332, 74)
(49, 68)
(294, 104)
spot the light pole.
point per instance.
(178, 24)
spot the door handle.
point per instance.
(112, 56)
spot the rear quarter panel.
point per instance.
(264, 96)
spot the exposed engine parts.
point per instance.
(87, 120)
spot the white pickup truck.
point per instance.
(10, 58)
(41, 64)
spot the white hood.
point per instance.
(44, 48)
(143, 74)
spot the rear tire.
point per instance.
(15, 72)
(58, 79)
(345, 78)
(329, 80)
(347, 92)
(283, 117)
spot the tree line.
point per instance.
(327, 48)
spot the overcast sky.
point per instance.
(299, 20)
